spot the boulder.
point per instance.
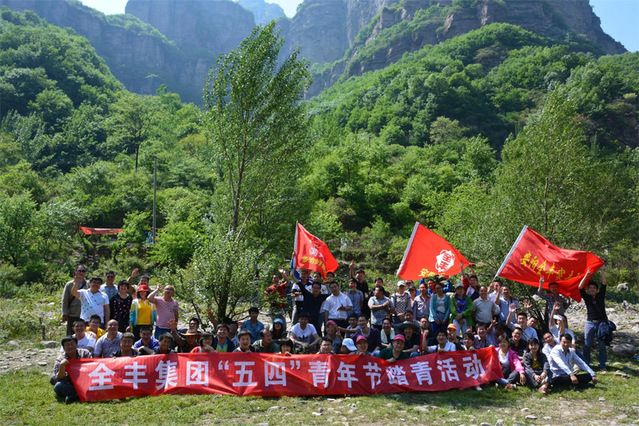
(622, 287)
(50, 344)
(624, 349)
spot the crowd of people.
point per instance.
(313, 314)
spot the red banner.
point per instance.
(428, 254)
(532, 256)
(277, 375)
(100, 231)
(312, 253)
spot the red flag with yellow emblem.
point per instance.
(312, 253)
(428, 254)
(532, 257)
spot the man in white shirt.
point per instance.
(563, 360)
(304, 335)
(337, 306)
(93, 301)
(549, 344)
(85, 341)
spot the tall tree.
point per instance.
(256, 128)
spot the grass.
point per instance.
(27, 398)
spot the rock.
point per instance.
(273, 408)
(500, 422)
(485, 424)
(610, 310)
(624, 349)
(622, 287)
(42, 363)
(622, 374)
(262, 424)
(602, 399)
(13, 343)
(421, 408)
(316, 413)
(50, 344)
(523, 410)
(531, 417)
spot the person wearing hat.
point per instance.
(453, 338)
(304, 335)
(361, 343)
(332, 332)
(348, 347)
(401, 303)
(142, 310)
(411, 334)
(279, 329)
(396, 351)
(244, 339)
(461, 310)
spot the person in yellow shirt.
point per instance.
(142, 311)
(94, 327)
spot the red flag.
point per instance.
(100, 231)
(532, 256)
(428, 254)
(312, 253)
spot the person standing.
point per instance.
(167, 309)
(109, 287)
(92, 300)
(120, 306)
(71, 306)
(594, 297)
(143, 312)
(337, 306)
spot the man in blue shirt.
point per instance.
(252, 325)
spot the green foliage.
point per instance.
(225, 271)
(175, 245)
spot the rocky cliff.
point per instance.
(137, 54)
(174, 42)
(262, 11)
(401, 27)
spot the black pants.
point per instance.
(565, 382)
(530, 378)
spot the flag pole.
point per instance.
(410, 243)
(512, 249)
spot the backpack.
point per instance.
(605, 330)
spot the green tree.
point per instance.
(257, 129)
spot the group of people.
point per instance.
(123, 320)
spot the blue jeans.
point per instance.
(159, 331)
(64, 389)
(590, 336)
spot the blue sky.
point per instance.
(619, 18)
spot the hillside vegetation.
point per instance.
(474, 137)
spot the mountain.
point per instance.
(137, 54)
(175, 42)
(399, 27)
(262, 11)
